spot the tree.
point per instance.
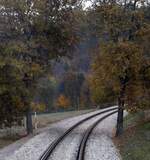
(118, 67)
(46, 92)
(63, 102)
(32, 33)
(11, 94)
(72, 83)
(121, 57)
(37, 107)
(85, 97)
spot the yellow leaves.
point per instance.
(144, 31)
(122, 56)
(38, 106)
(34, 70)
(35, 67)
(123, 53)
(113, 17)
(115, 60)
(63, 102)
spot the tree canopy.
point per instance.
(32, 33)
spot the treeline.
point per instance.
(68, 92)
(32, 33)
(115, 67)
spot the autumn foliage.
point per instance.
(63, 102)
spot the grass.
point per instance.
(134, 144)
(133, 119)
(43, 121)
(6, 142)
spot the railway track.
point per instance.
(82, 147)
(81, 151)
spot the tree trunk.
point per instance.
(121, 100)
(119, 130)
(29, 122)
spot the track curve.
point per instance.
(81, 151)
(53, 145)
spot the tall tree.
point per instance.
(121, 56)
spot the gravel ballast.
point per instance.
(32, 149)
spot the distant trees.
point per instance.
(75, 87)
(72, 87)
(85, 98)
(63, 102)
(46, 92)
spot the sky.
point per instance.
(87, 4)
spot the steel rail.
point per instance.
(53, 145)
(88, 132)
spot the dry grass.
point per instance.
(44, 119)
(5, 142)
(134, 144)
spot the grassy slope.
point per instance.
(134, 144)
